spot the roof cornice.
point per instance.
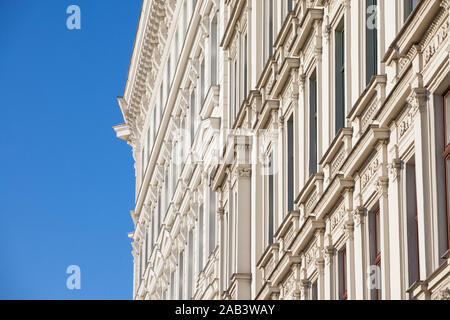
(151, 36)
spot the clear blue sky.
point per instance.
(66, 181)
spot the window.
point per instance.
(446, 155)
(177, 45)
(408, 6)
(375, 246)
(142, 164)
(202, 82)
(245, 67)
(314, 291)
(412, 225)
(149, 142)
(182, 140)
(152, 237)
(172, 285)
(235, 89)
(339, 36)
(159, 212)
(227, 237)
(232, 88)
(270, 28)
(290, 5)
(313, 124)
(233, 238)
(190, 264)
(271, 200)
(371, 39)
(180, 276)
(290, 163)
(144, 157)
(342, 257)
(267, 29)
(212, 220)
(193, 116)
(161, 101)
(200, 238)
(146, 249)
(214, 51)
(174, 169)
(140, 266)
(154, 123)
(168, 77)
(166, 192)
(185, 17)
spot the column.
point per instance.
(396, 232)
(382, 186)
(222, 259)
(417, 100)
(328, 257)
(242, 232)
(350, 247)
(360, 258)
(257, 207)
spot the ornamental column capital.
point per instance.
(418, 99)
(395, 168)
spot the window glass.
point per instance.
(377, 227)
(200, 238)
(447, 119)
(371, 39)
(180, 276)
(340, 77)
(212, 220)
(190, 263)
(313, 124)
(271, 202)
(448, 180)
(214, 51)
(314, 293)
(409, 6)
(290, 156)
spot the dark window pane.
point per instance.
(313, 125)
(371, 40)
(271, 200)
(340, 77)
(290, 156)
(212, 220)
(270, 28)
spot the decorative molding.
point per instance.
(444, 294)
(394, 169)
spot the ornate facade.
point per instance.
(290, 149)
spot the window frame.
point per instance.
(408, 8)
(342, 266)
(446, 157)
(313, 119)
(290, 162)
(376, 258)
(271, 199)
(339, 110)
(371, 45)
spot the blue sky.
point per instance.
(66, 182)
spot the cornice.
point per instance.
(154, 22)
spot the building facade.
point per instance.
(290, 149)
